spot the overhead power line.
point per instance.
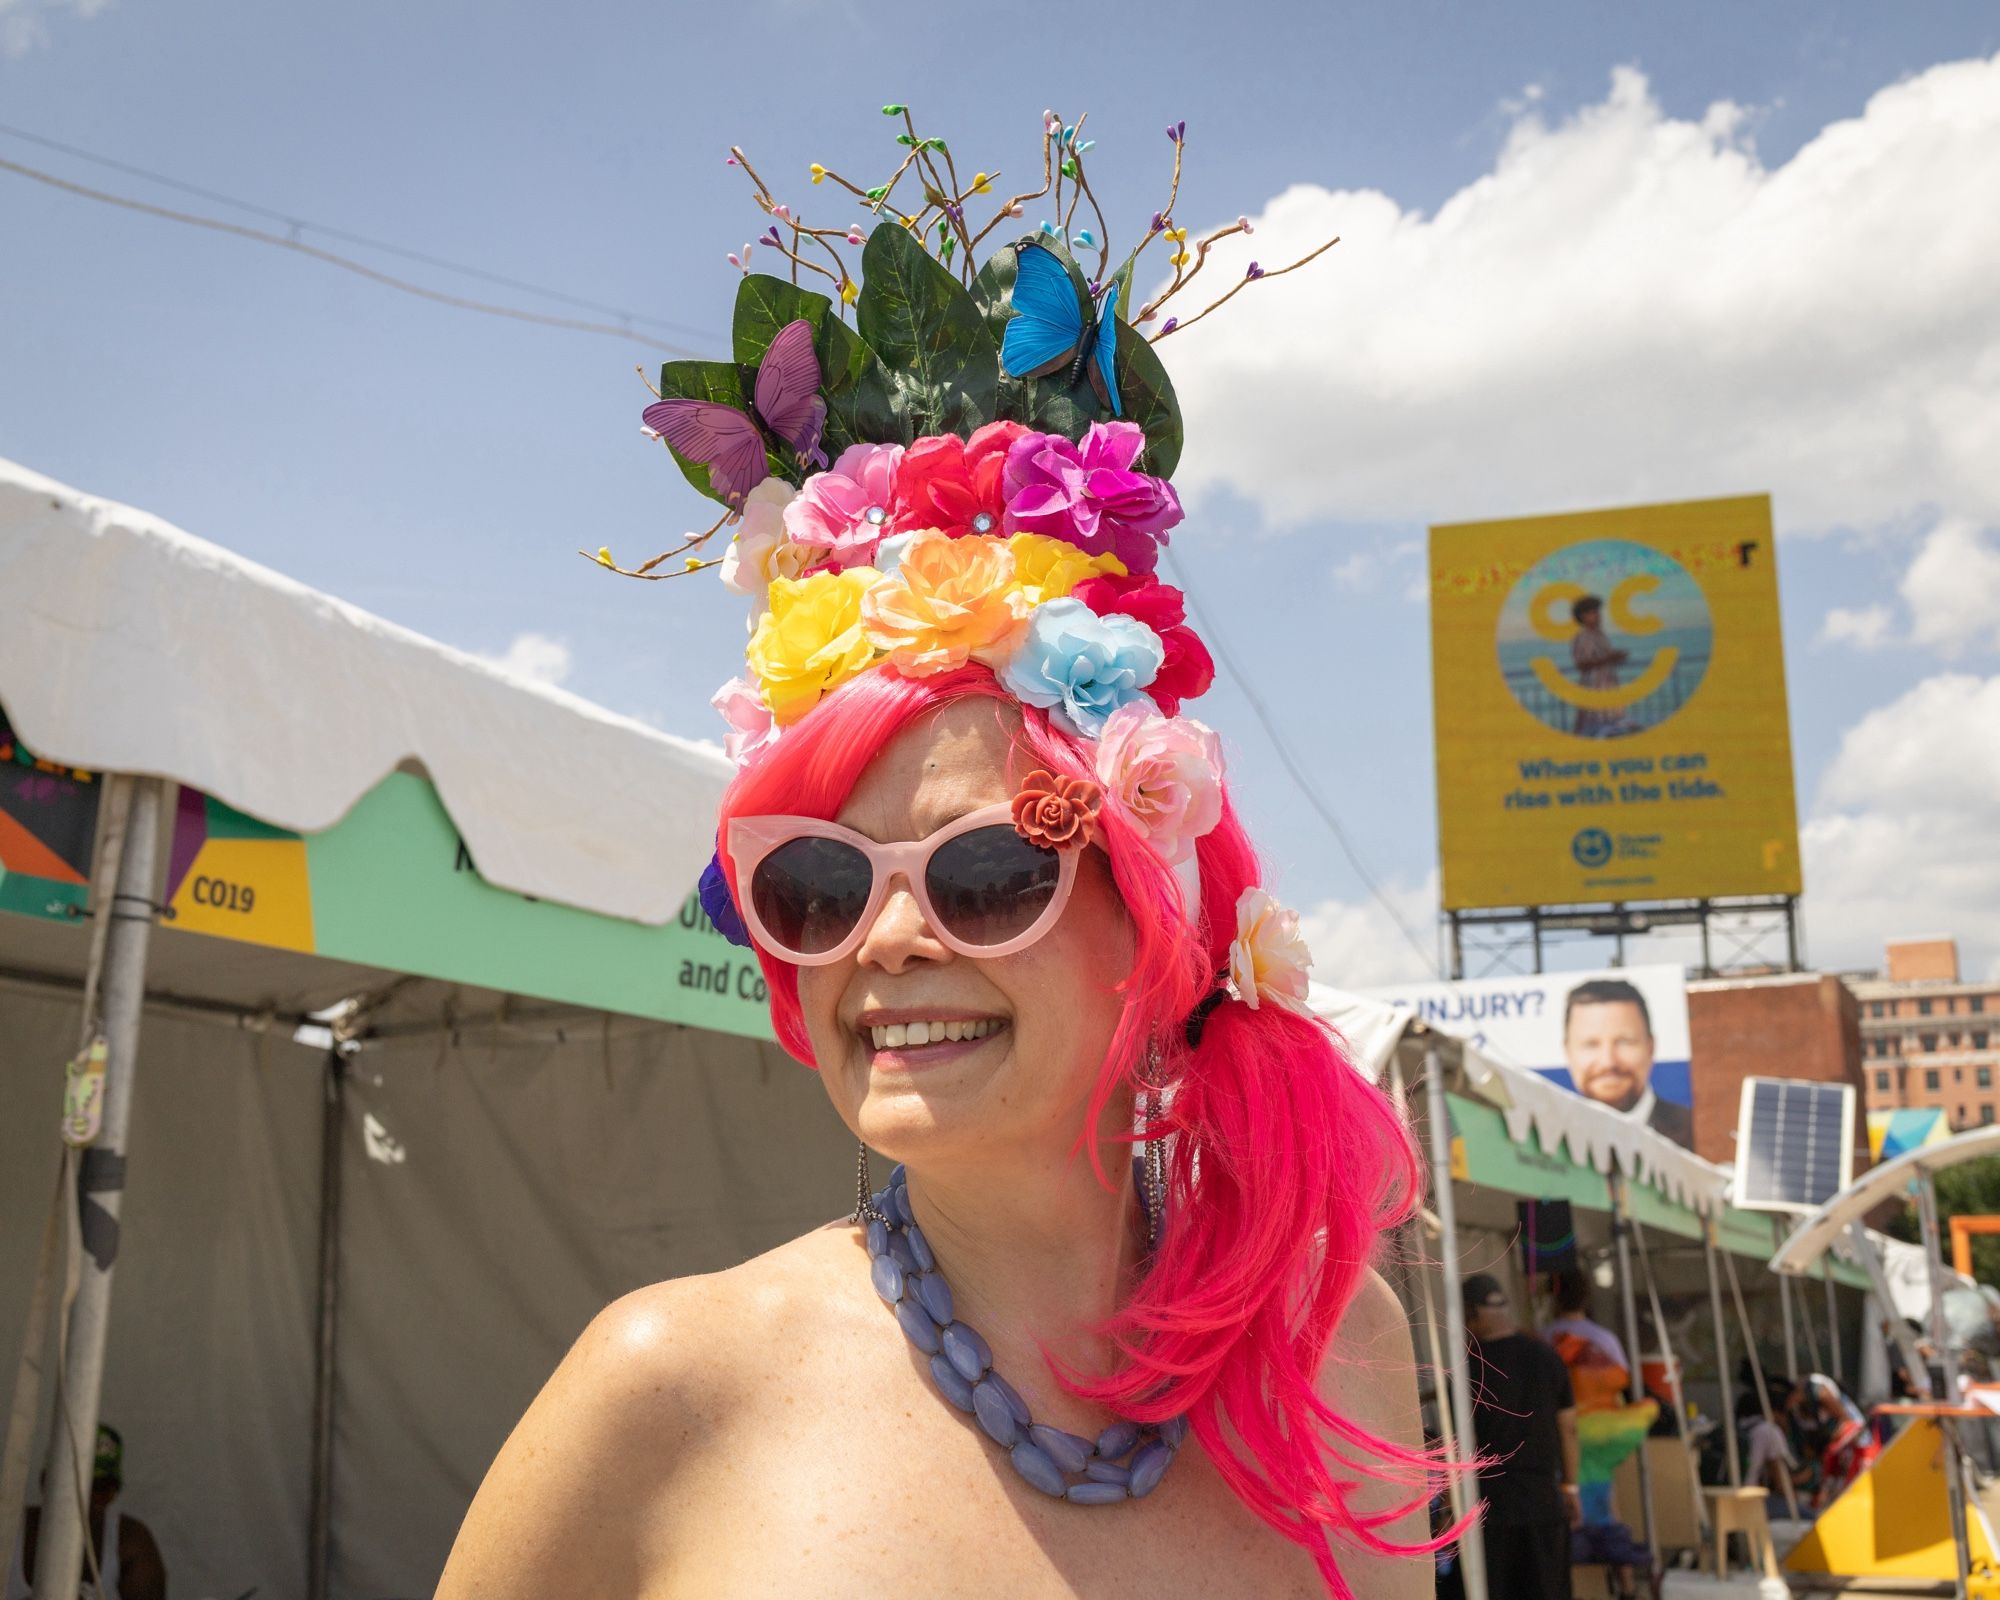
(1298, 773)
(299, 247)
(302, 224)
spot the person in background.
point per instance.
(1524, 1420)
(128, 1560)
(1601, 1381)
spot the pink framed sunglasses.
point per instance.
(810, 890)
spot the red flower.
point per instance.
(948, 482)
(1188, 670)
(1057, 813)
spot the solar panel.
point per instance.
(1794, 1143)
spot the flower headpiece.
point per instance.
(931, 464)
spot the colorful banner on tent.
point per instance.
(393, 885)
(1895, 1133)
(390, 885)
(1610, 707)
(1619, 1036)
(48, 828)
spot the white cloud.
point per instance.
(1866, 628)
(1357, 944)
(536, 657)
(24, 23)
(1905, 831)
(1629, 306)
(1953, 586)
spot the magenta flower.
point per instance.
(843, 510)
(1089, 495)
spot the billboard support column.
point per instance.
(1471, 1544)
(1621, 1228)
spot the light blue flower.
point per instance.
(1081, 667)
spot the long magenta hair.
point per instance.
(1286, 1163)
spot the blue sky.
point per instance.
(439, 467)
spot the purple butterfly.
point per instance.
(729, 443)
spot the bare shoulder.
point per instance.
(578, 1499)
(1369, 1376)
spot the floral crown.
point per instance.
(974, 468)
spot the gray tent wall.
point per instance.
(547, 1165)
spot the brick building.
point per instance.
(1778, 1025)
(1929, 1037)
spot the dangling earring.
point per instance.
(1153, 1101)
(864, 1188)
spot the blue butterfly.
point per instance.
(1053, 326)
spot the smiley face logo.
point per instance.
(1604, 639)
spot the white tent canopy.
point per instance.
(127, 645)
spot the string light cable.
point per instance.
(618, 330)
(1299, 777)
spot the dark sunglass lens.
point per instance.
(989, 885)
(810, 892)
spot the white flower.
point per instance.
(761, 549)
(1268, 960)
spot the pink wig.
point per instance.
(1286, 1166)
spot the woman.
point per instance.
(1006, 911)
(1597, 662)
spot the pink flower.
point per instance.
(1162, 775)
(845, 510)
(749, 718)
(1089, 495)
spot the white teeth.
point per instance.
(905, 1035)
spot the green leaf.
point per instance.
(719, 381)
(862, 406)
(1148, 398)
(1123, 278)
(941, 356)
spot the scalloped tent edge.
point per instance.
(128, 645)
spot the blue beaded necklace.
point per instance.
(1124, 1462)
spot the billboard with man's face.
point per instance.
(1610, 707)
(1618, 1037)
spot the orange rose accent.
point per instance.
(1057, 813)
(950, 601)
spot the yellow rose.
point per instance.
(810, 641)
(1047, 569)
(949, 600)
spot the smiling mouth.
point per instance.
(927, 1040)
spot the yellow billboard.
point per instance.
(1609, 689)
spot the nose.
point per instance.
(900, 935)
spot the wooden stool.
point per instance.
(1741, 1511)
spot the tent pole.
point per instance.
(100, 1195)
(1471, 1545)
(1954, 1457)
(1621, 1229)
(333, 1117)
(1833, 1355)
(1756, 1366)
(1675, 1387)
(114, 808)
(1729, 1452)
(1785, 1312)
